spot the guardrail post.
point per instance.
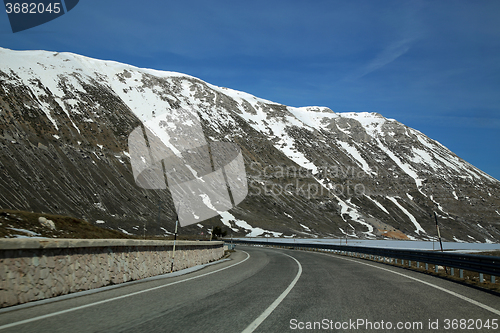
(492, 279)
(461, 273)
(481, 278)
(418, 264)
(436, 268)
(452, 271)
(426, 266)
(409, 263)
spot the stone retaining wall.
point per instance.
(34, 269)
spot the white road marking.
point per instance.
(17, 323)
(275, 304)
(465, 298)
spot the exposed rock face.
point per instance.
(47, 223)
(65, 120)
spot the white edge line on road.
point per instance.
(275, 304)
(115, 298)
(465, 298)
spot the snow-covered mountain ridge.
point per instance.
(65, 119)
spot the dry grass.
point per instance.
(67, 227)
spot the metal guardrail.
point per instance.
(471, 262)
(229, 245)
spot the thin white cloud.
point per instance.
(388, 55)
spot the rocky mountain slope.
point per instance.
(65, 121)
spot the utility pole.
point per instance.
(346, 234)
(175, 238)
(439, 237)
(438, 233)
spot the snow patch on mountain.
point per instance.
(227, 217)
(407, 168)
(372, 122)
(348, 208)
(313, 116)
(379, 205)
(412, 218)
(354, 153)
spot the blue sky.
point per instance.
(432, 65)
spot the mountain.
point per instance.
(312, 172)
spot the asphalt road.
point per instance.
(271, 290)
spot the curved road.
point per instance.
(270, 290)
